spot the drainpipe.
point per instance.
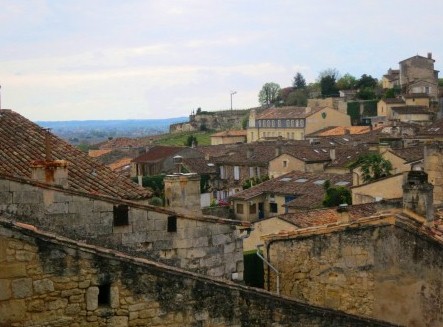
(269, 266)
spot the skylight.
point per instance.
(341, 183)
(301, 180)
(320, 182)
(285, 179)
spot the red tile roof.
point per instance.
(158, 153)
(22, 141)
(411, 110)
(410, 154)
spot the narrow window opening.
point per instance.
(121, 214)
(172, 224)
(104, 295)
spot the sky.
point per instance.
(146, 59)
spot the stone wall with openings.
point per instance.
(51, 281)
(206, 245)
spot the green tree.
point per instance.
(372, 166)
(299, 81)
(336, 195)
(191, 141)
(333, 72)
(366, 81)
(269, 94)
(328, 86)
(298, 97)
(440, 82)
(346, 82)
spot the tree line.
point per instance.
(328, 84)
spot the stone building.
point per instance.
(292, 123)
(208, 245)
(386, 265)
(50, 280)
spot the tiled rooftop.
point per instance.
(410, 154)
(325, 216)
(287, 113)
(230, 133)
(158, 153)
(408, 110)
(22, 141)
(393, 100)
(307, 187)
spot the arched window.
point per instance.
(268, 123)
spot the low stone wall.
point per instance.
(385, 270)
(205, 245)
(52, 281)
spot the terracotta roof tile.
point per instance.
(98, 153)
(410, 154)
(22, 141)
(158, 153)
(306, 187)
(408, 110)
(325, 216)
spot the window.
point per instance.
(240, 208)
(302, 123)
(285, 163)
(297, 123)
(273, 123)
(222, 172)
(287, 122)
(251, 171)
(236, 173)
(121, 216)
(252, 208)
(273, 207)
(292, 123)
(104, 295)
(279, 123)
(259, 123)
(172, 224)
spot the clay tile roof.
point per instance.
(22, 141)
(434, 129)
(306, 187)
(199, 166)
(407, 110)
(410, 154)
(319, 217)
(343, 130)
(287, 113)
(158, 153)
(393, 100)
(416, 95)
(230, 133)
(98, 153)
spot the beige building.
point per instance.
(381, 189)
(292, 123)
(228, 137)
(384, 106)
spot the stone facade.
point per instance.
(207, 245)
(182, 191)
(433, 165)
(385, 267)
(47, 280)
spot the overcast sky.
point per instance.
(145, 59)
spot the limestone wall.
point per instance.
(206, 245)
(386, 271)
(48, 281)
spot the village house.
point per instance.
(292, 123)
(412, 114)
(279, 195)
(229, 137)
(158, 160)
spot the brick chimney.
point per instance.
(418, 194)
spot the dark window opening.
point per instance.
(104, 295)
(121, 215)
(172, 224)
(273, 207)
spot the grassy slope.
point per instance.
(179, 139)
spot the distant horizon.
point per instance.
(82, 60)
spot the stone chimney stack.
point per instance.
(50, 171)
(429, 55)
(418, 194)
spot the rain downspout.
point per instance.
(269, 266)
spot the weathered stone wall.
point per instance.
(433, 165)
(206, 245)
(56, 282)
(384, 271)
(214, 120)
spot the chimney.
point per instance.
(344, 214)
(332, 154)
(277, 150)
(53, 172)
(429, 55)
(418, 194)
